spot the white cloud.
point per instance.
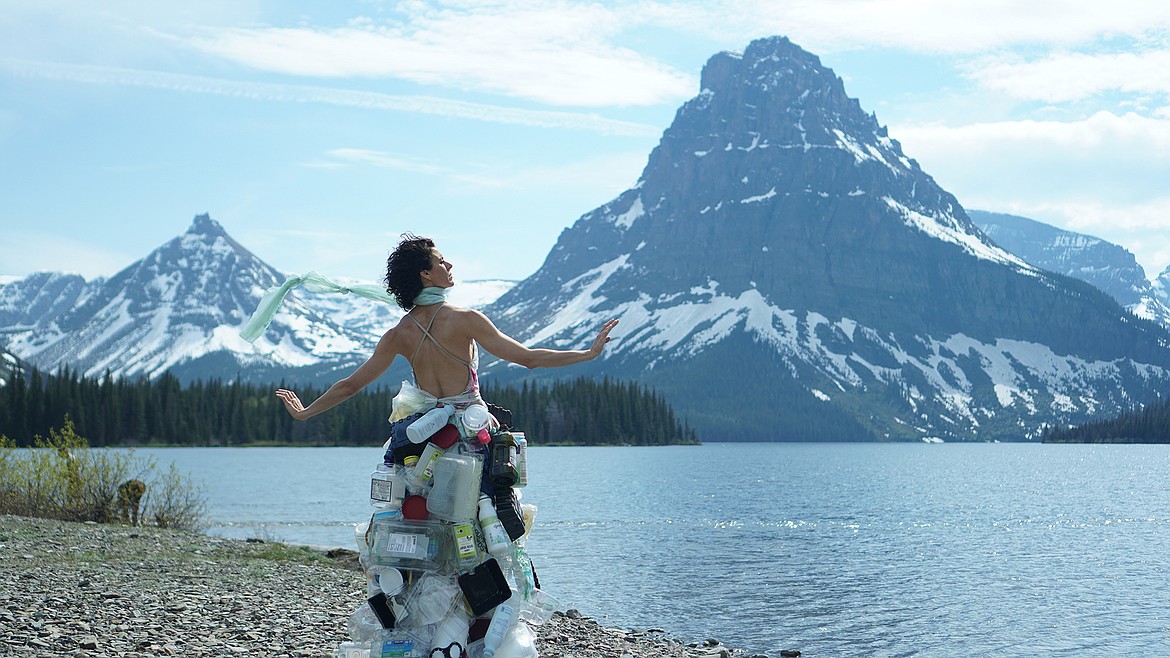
(938, 26)
(1108, 158)
(265, 91)
(559, 53)
(607, 174)
(1064, 77)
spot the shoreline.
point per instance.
(94, 590)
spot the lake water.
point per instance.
(833, 549)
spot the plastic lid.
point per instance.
(410, 460)
(446, 436)
(484, 436)
(415, 508)
(390, 580)
(476, 417)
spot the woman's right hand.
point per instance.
(292, 404)
(602, 338)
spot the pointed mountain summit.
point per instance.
(783, 271)
(179, 308)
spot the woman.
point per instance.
(438, 340)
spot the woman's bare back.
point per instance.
(444, 369)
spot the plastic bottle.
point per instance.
(502, 472)
(502, 621)
(494, 534)
(467, 555)
(430, 422)
(352, 650)
(424, 469)
(521, 459)
(387, 486)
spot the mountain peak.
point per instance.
(205, 225)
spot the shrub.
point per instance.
(61, 477)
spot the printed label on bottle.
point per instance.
(465, 540)
(397, 649)
(382, 490)
(403, 545)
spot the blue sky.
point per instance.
(317, 132)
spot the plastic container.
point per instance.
(494, 534)
(485, 587)
(450, 632)
(521, 459)
(503, 619)
(474, 418)
(455, 487)
(508, 511)
(424, 469)
(502, 468)
(387, 486)
(467, 555)
(352, 650)
(429, 601)
(398, 644)
(538, 608)
(407, 544)
(430, 422)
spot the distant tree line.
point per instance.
(116, 411)
(1149, 425)
(586, 411)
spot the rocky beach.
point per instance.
(83, 589)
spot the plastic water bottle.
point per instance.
(494, 534)
(502, 620)
(430, 422)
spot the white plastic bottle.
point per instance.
(430, 422)
(521, 459)
(502, 621)
(494, 534)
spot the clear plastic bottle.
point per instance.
(387, 486)
(454, 488)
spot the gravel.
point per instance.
(81, 589)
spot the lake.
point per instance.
(833, 549)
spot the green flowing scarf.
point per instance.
(314, 282)
(430, 296)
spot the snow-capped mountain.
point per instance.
(1108, 266)
(783, 271)
(180, 309)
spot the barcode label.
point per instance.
(402, 544)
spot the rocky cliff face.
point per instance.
(783, 270)
(1105, 265)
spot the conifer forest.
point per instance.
(164, 411)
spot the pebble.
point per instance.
(117, 591)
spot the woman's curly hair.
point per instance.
(409, 258)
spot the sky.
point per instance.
(318, 132)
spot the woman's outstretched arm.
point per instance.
(504, 346)
(344, 389)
